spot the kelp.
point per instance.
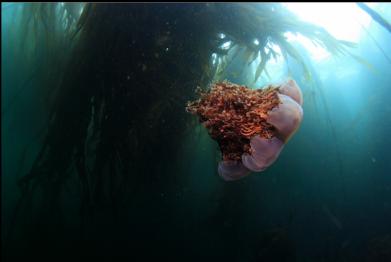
(316, 98)
(123, 102)
(376, 43)
(375, 16)
(266, 26)
(41, 34)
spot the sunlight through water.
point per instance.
(343, 20)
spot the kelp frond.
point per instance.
(256, 28)
(42, 36)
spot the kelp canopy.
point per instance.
(265, 30)
(117, 78)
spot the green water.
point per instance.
(156, 193)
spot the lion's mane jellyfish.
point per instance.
(250, 126)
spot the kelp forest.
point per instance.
(106, 152)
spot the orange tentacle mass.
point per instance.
(233, 114)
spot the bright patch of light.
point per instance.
(214, 58)
(342, 20)
(221, 36)
(226, 45)
(256, 42)
(278, 58)
(317, 53)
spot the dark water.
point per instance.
(157, 193)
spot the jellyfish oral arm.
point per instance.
(264, 153)
(232, 170)
(286, 118)
(291, 89)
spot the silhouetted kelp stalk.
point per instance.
(120, 103)
(375, 42)
(40, 31)
(86, 99)
(375, 16)
(315, 97)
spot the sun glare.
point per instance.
(343, 20)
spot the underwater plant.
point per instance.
(39, 31)
(264, 36)
(250, 126)
(375, 16)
